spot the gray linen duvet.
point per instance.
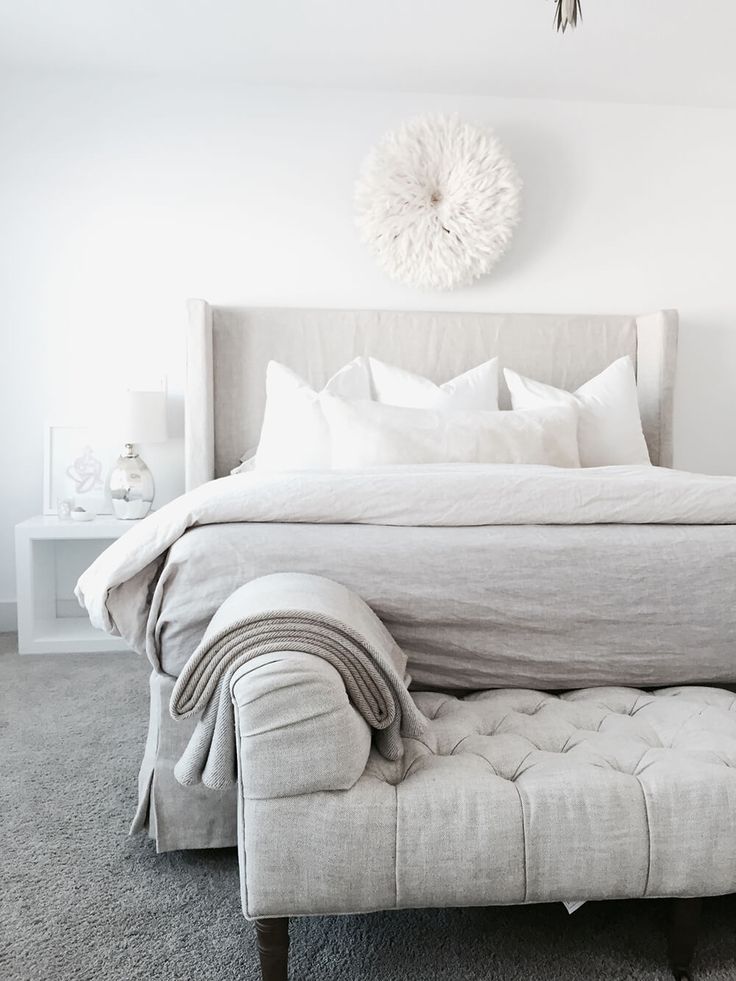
(525, 606)
(487, 575)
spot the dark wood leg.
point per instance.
(273, 948)
(682, 935)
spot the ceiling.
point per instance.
(645, 51)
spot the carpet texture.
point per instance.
(80, 900)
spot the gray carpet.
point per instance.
(81, 900)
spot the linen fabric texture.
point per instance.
(394, 537)
(603, 793)
(367, 434)
(451, 496)
(294, 612)
(609, 423)
(295, 434)
(230, 347)
(457, 600)
(475, 389)
(178, 817)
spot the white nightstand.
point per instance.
(47, 624)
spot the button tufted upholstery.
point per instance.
(512, 796)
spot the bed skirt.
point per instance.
(174, 816)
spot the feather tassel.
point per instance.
(567, 13)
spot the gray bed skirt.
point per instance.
(177, 817)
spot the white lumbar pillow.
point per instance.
(295, 435)
(369, 434)
(609, 422)
(475, 389)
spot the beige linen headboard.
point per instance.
(228, 349)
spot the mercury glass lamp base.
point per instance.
(130, 510)
(131, 486)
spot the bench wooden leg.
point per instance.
(682, 935)
(273, 948)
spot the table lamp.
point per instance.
(131, 482)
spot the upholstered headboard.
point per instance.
(228, 349)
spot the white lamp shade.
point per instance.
(144, 417)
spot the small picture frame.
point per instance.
(76, 466)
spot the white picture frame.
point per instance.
(76, 467)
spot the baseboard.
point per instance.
(8, 616)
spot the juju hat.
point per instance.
(437, 201)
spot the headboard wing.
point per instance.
(228, 349)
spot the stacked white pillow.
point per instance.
(296, 434)
(372, 414)
(475, 389)
(368, 434)
(609, 422)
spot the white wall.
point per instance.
(120, 198)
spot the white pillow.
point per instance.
(475, 389)
(247, 464)
(368, 434)
(294, 435)
(609, 423)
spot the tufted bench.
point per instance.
(510, 796)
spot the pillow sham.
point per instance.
(294, 435)
(369, 434)
(247, 464)
(609, 422)
(475, 389)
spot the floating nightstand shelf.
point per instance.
(48, 624)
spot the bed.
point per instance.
(617, 595)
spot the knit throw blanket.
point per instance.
(290, 612)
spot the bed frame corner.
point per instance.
(655, 376)
(199, 409)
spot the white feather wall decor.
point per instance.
(437, 202)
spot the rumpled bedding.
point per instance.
(535, 606)
(485, 575)
(294, 612)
